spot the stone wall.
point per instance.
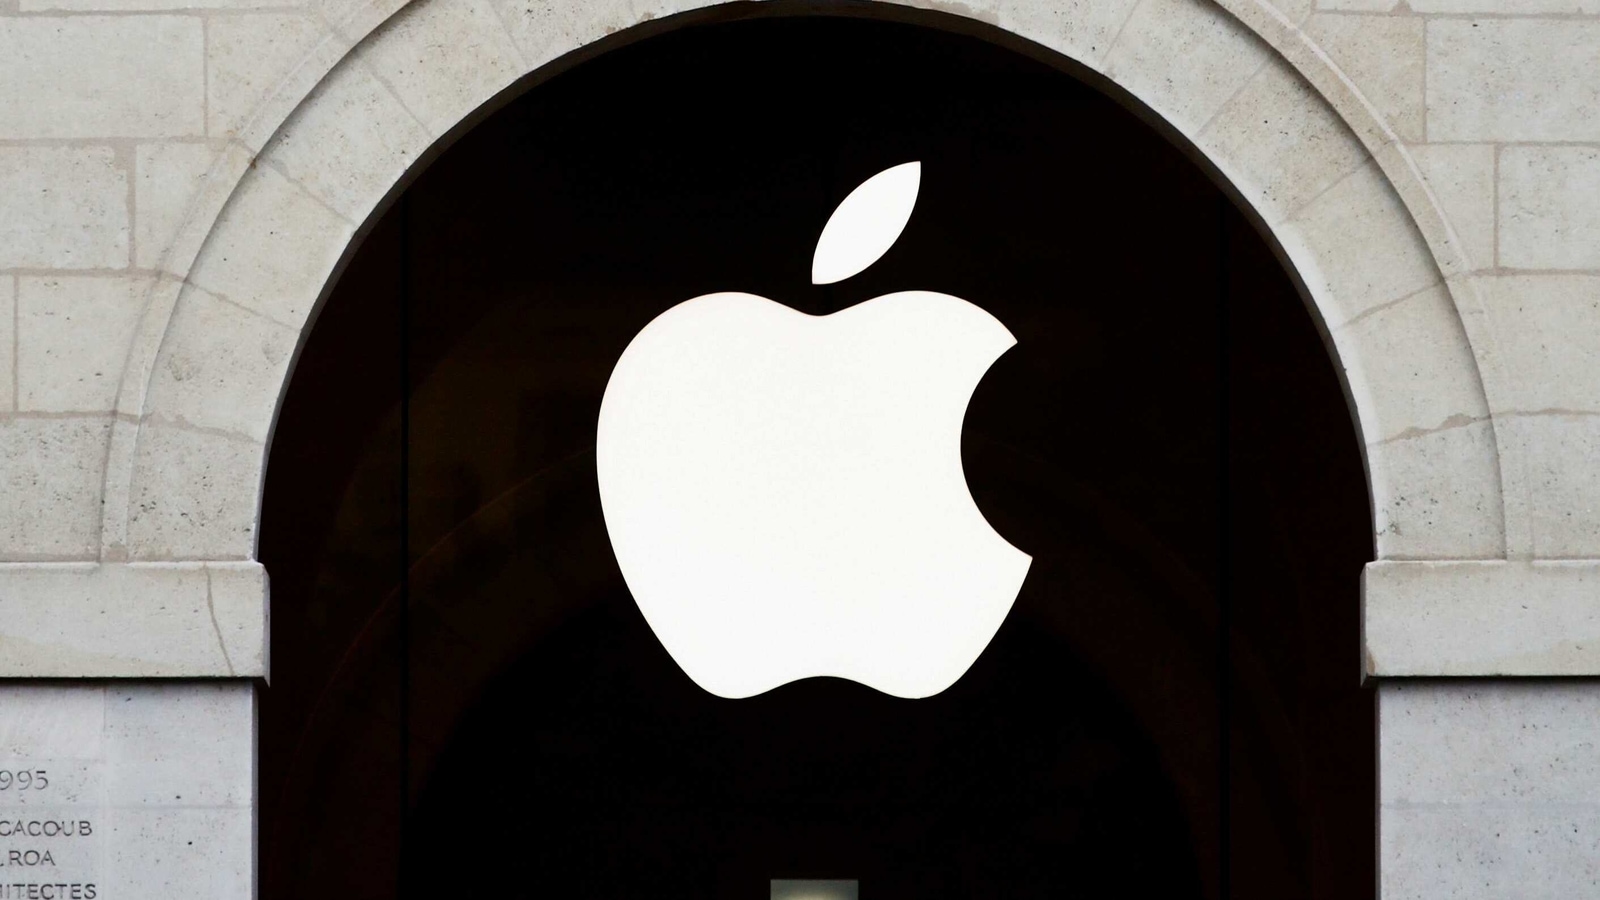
(179, 181)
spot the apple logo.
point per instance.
(784, 492)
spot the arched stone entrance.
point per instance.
(300, 179)
(1099, 450)
(202, 385)
(182, 184)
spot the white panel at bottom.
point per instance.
(813, 889)
(127, 790)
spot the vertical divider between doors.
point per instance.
(404, 502)
(1224, 566)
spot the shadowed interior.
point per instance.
(1168, 440)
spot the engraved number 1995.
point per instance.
(23, 779)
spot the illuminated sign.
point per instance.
(784, 492)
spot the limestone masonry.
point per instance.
(179, 179)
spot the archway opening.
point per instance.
(465, 697)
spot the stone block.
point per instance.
(1550, 205)
(247, 57)
(123, 6)
(73, 337)
(1488, 789)
(1491, 742)
(241, 611)
(154, 797)
(1481, 618)
(1414, 363)
(543, 32)
(57, 721)
(1080, 31)
(101, 77)
(1358, 6)
(54, 470)
(1546, 330)
(220, 367)
(157, 620)
(443, 58)
(1508, 79)
(273, 248)
(166, 178)
(1506, 7)
(62, 207)
(1557, 449)
(1279, 143)
(1438, 494)
(8, 343)
(1545, 852)
(1383, 56)
(1357, 247)
(157, 854)
(193, 225)
(1462, 178)
(1185, 59)
(350, 143)
(178, 744)
(194, 494)
(355, 19)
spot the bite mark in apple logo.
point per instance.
(784, 492)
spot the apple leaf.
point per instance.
(866, 224)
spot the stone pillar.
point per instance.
(127, 790)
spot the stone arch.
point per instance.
(1237, 84)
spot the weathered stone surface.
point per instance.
(1080, 29)
(101, 77)
(1417, 374)
(156, 779)
(1278, 146)
(167, 177)
(73, 335)
(1558, 448)
(1547, 329)
(272, 249)
(1481, 618)
(1488, 789)
(1550, 207)
(194, 494)
(443, 59)
(1383, 56)
(219, 366)
(109, 125)
(1462, 177)
(1437, 495)
(1487, 852)
(194, 223)
(1506, 7)
(351, 143)
(1358, 6)
(1513, 80)
(62, 208)
(60, 620)
(247, 56)
(51, 476)
(1185, 59)
(1357, 248)
(120, 6)
(8, 343)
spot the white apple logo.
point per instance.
(784, 492)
